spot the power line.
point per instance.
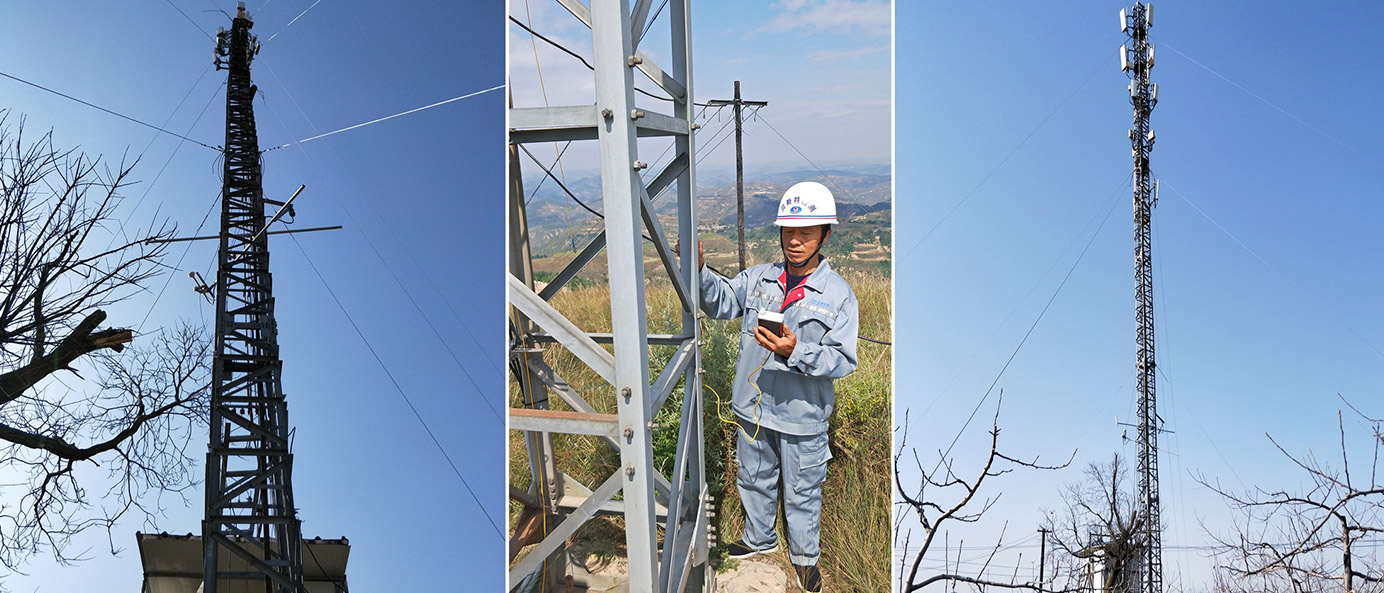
(578, 56)
(1123, 184)
(1268, 265)
(290, 23)
(387, 117)
(1004, 160)
(480, 393)
(100, 108)
(397, 387)
(800, 153)
(150, 187)
(189, 20)
(1266, 101)
(650, 24)
(559, 183)
(560, 46)
(368, 345)
(1023, 341)
(177, 265)
(545, 177)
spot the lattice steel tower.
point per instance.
(665, 511)
(249, 492)
(1136, 59)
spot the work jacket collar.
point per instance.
(817, 280)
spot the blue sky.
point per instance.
(417, 196)
(1011, 150)
(823, 66)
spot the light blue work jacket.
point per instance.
(797, 390)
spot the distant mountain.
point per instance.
(556, 221)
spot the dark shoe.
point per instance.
(739, 550)
(809, 578)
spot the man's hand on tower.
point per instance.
(701, 254)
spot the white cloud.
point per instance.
(823, 55)
(870, 17)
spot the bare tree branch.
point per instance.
(1301, 541)
(66, 256)
(933, 515)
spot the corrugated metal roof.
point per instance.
(173, 564)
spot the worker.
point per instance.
(783, 394)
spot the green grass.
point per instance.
(855, 519)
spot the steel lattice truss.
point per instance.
(1137, 60)
(249, 492)
(677, 502)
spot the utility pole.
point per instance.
(1042, 555)
(1136, 59)
(249, 491)
(739, 105)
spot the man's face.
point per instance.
(799, 243)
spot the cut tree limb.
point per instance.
(82, 341)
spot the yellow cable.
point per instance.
(759, 399)
(526, 394)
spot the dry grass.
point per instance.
(855, 519)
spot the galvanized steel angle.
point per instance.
(666, 125)
(638, 18)
(670, 173)
(558, 535)
(669, 85)
(242, 486)
(267, 570)
(237, 382)
(668, 378)
(574, 267)
(255, 428)
(665, 252)
(662, 486)
(567, 333)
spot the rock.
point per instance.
(750, 576)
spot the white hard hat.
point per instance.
(806, 204)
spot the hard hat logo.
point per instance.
(807, 204)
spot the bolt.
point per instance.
(636, 114)
(640, 165)
(634, 60)
(629, 433)
(625, 392)
(607, 113)
(629, 471)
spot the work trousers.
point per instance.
(803, 464)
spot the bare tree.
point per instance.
(967, 505)
(1096, 539)
(64, 256)
(1310, 540)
